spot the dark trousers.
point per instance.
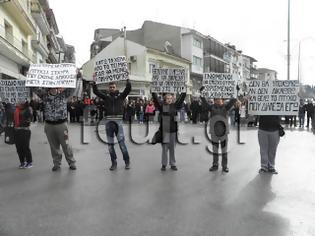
(22, 143)
(309, 116)
(113, 128)
(215, 146)
(194, 117)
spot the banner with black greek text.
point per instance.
(278, 97)
(111, 70)
(168, 81)
(52, 75)
(13, 91)
(219, 85)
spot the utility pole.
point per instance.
(288, 76)
(125, 42)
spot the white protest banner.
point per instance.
(168, 81)
(219, 85)
(52, 75)
(278, 97)
(111, 70)
(13, 91)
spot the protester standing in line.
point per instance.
(309, 107)
(22, 135)
(301, 114)
(150, 111)
(55, 112)
(219, 129)
(168, 126)
(2, 118)
(114, 105)
(195, 109)
(268, 137)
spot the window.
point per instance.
(8, 32)
(24, 47)
(151, 67)
(197, 61)
(197, 43)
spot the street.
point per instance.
(145, 201)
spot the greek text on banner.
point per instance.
(168, 81)
(13, 91)
(52, 75)
(219, 85)
(278, 97)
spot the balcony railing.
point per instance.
(15, 42)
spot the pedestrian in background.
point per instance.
(309, 107)
(22, 120)
(301, 113)
(168, 126)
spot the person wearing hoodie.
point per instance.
(22, 119)
(114, 105)
(219, 129)
(168, 126)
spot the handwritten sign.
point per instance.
(219, 85)
(13, 91)
(278, 97)
(111, 70)
(52, 75)
(168, 81)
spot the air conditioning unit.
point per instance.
(133, 58)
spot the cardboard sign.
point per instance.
(219, 85)
(13, 91)
(52, 75)
(111, 70)
(168, 81)
(278, 97)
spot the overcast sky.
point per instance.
(257, 27)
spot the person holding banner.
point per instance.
(168, 126)
(55, 112)
(268, 137)
(114, 105)
(219, 129)
(22, 135)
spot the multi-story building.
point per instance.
(17, 27)
(267, 74)
(205, 53)
(28, 30)
(141, 61)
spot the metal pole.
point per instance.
(299, 62)
(288, 40)
(125, 42)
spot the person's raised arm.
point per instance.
(156, 101)
(127, 90)
(180, 100)
(99, 93)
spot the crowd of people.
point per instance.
(57, 106)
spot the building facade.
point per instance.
(141, 61)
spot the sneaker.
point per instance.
(22, 166)
(72, 167)
(163, 168)
(174, 168)
(225, 169)
(28, 165)
(273, 171)
(262, 170)
(213, 168)
(113, 167)
(55, 168)
(127, 166)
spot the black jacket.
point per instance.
(168, 113)
(269, 123)
(113, 102)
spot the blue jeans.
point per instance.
(115, 128)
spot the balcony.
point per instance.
(12, 48)
(21, 14)
(39, 44)
(40, 17)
